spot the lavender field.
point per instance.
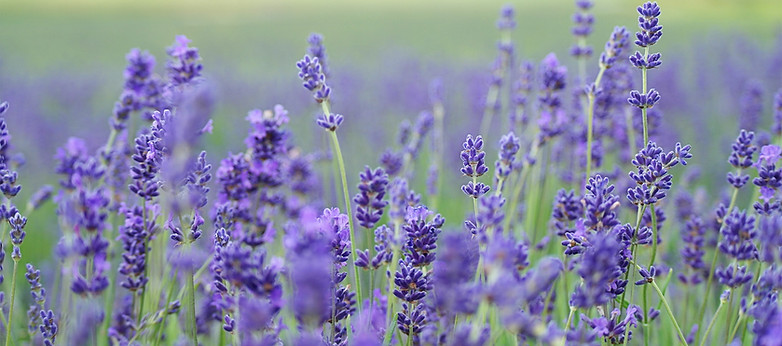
(347, 173)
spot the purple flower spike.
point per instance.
(615, 46)
(648, 22)
(313, 78)
(369, 201)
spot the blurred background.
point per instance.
(62, 61)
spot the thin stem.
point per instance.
(728, 316)
(190, 317)
(590, 116)
(348, 210)
(669, 311)
(711, 323)
(570, 318)
(11, 304)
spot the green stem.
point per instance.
(570, 318)
(668, 310)
(190, 318)
(711, 323)
(728, 316)
(590, 116)
(348, 211)
(11, 304)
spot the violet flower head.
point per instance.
(141, 89)
(509, 146)
(133, 235)
(40, 197)
(693, 251)
(474, 165)
(566, 209)
(392, 162)
(741, 158)
(644, 101)
(506, 21)
(647, 275)
(17, 223)
(313, 78)
(615, 46)
(369, 201)
(521, 92)
(582, 27)
(316, 49)
(600, 203)
(148, 157)
(184, 66)
(651, 176)
(601, 272)
(649, 23)
(552, 83)
(733, 275)
(738, 235)
(267, 138)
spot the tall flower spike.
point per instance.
(369, 201)
(313, 78)
(614, 47)
(583, 21)
(184, 67)
(648, 22)
(509, 146)
(474, 165)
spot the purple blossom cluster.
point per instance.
(157, 247)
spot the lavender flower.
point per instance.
(648, 21)
(552, 81)
(313, 78)
(652, 177)
(738, 234)
(148, 157)
(509, 146)
(369, 201)
(583, 21)
(474, 165)
(614, 47)
(184, 67)
(741, 158)
(317, 50)
(692, 252)
(566, 209)
(600, 270)
(733, 275)
(600, 204)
